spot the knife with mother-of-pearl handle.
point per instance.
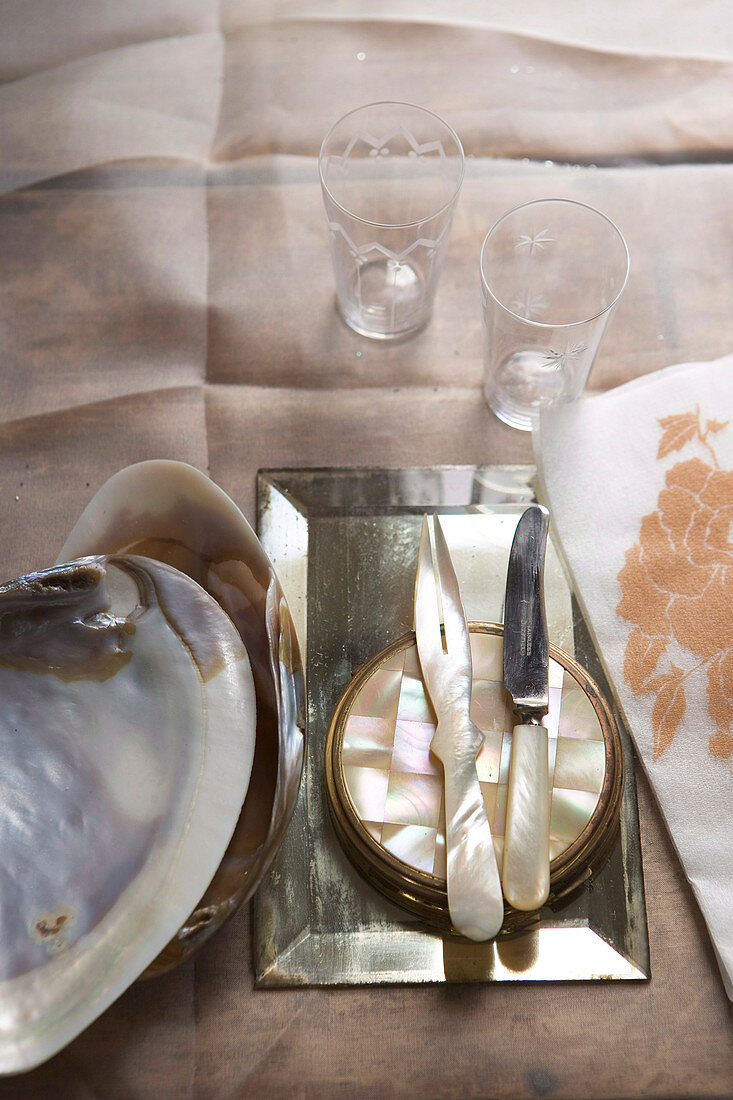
(472, 877)
(526, 870)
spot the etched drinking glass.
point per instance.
(552, 272)
(391, 174)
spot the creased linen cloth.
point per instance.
(639, 483)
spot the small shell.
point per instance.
(127, 731)
(172, 512)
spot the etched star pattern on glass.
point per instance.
(390, 175)
(552, 272)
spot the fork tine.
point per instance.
(456, 631)
(427, 616)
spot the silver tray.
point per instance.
(344, 545)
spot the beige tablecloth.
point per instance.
(167, 291)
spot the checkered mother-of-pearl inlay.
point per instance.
(396, 786)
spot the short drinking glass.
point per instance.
(551, 273)
(391, 174)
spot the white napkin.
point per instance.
(639, 483)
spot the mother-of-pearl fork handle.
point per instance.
(526, 871)
(474, 889)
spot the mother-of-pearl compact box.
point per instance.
(385, 788)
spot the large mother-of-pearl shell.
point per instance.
(127, 731)
(172, 512)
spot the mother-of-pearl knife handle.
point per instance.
(474, 889)
(526, 871)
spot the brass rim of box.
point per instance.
(424, 893)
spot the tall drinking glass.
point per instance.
(391, 174)
(552, 272)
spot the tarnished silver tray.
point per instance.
(344, 544)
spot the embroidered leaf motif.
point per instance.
(720, 689)
(678, 430)
(676, 587)
(642, 655)
(669, 708)
(721, 744)
(678, 418)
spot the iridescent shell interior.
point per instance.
(127, 733)
(396, 786)
(171, 512)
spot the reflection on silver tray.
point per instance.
(344, 544)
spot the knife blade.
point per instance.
(472, 876)
(526, 863)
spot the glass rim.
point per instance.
(548, 324)
(393, 225)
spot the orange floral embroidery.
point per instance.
(677, 585)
